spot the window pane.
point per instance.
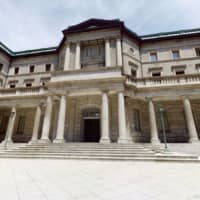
(176, 54)
(153, 56)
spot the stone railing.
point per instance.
(27, 91)
(164, 81)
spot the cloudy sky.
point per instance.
(38, 23)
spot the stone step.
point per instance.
(172, 159)
(81, 151)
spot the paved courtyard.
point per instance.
(72, 179)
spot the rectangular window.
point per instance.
(136, 117)
(156, 74)
(48, 67)
(12, 85)
(16, 70)
(197, 50)
(182, 72)
(32, 68)
(21, 124)
(1, 67)
(28, 84)
(176, 54)
(153, 56)
(198, 67)
(43, 81)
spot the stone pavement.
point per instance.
(90, 180)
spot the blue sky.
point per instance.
(38, 23)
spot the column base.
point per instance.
(194, 140)
(33, 142)
(155, 141)
(123, 141)
(57, 141)
(44, 141)
(104, 141)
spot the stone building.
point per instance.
(102, 83)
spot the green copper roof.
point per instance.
(171, 34)
(162, 35)
(26, 52)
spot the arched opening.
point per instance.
(91, 125)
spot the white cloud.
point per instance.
(34, 24)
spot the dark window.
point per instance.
(156, 74)
(12, 85)
(32, 68)
(182, 72)
(16, 70)
(28, 84)
(176, 54)
(133, 73)
(48, 67)
(1, 67)
(136, 118)
(197, 50)
(21, 124)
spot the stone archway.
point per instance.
(90, 124)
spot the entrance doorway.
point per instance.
(91, 125)
(91, 130)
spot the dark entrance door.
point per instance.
(91, 130)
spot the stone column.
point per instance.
(10, 128)
(47, 121)
(36, 125)
(153, 124)
(123, 133)
(193, 136)
(77, 57)
(61, 121)
(107, 52)
(119, 52)
(105, 137)
(67, 57)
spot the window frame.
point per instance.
(174, 51)
(151, 56)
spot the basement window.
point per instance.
(156, 74)
(182, 72)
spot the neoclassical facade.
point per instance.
(103, 83)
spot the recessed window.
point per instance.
(176, 54)
(48, 67)
(1, 67)
(133, 73)
(153, 56)
(133, 69)
(12, 85)
(156, 74)
(16, 70)
(28, 84)
(198, 67)
(197, 50)
(44, 81)
(181, 72)
(32, 68)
